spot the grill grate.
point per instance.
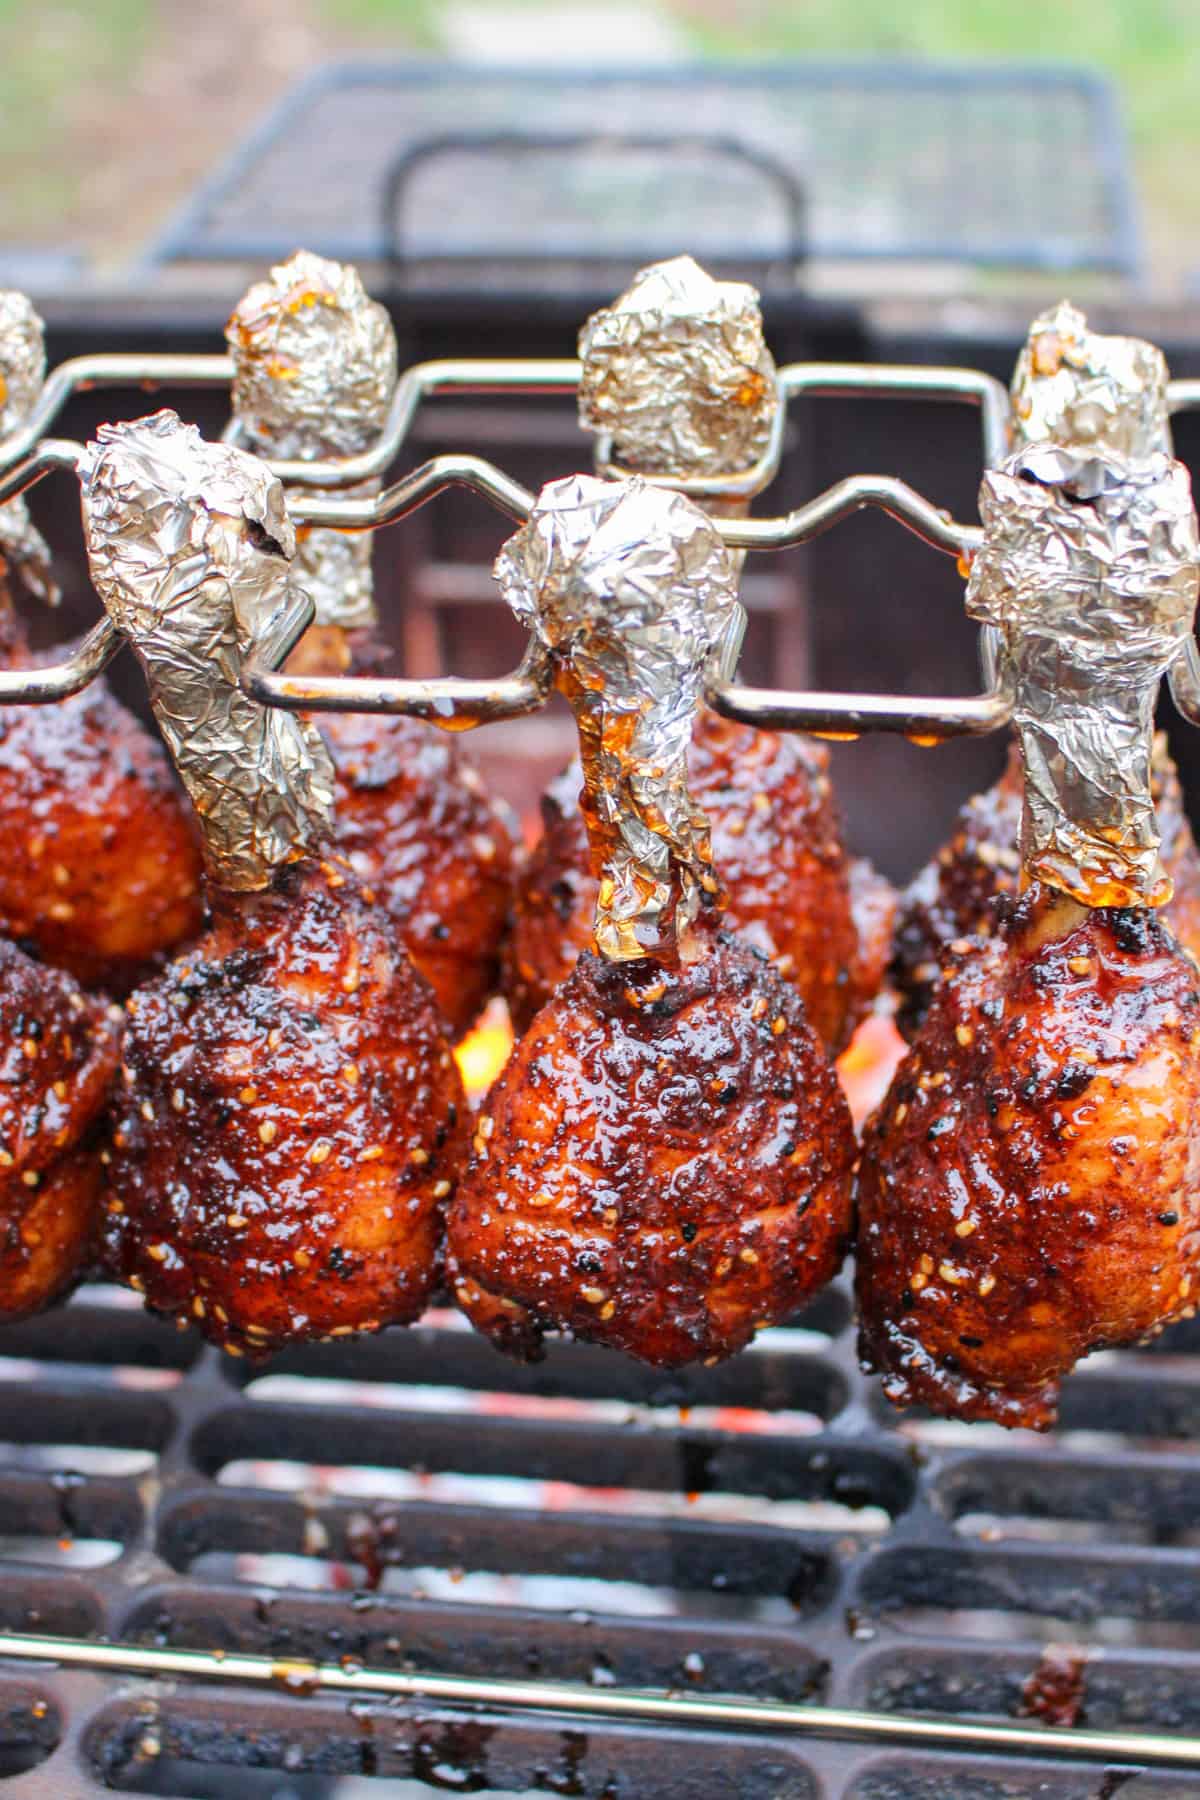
(747, 164)
(757, 1529)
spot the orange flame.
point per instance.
(484, 1051)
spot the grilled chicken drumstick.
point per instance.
(1073, 387)
(1030, 1188)
(664, 1164)
(59, 1050)
(101, 867)
(315, 372)
(290, 1122)
(676, 372)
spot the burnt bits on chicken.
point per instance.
(663, 1166)
(1030, 1188)
(59, 1052)
(292, 1120)
(291, 1124)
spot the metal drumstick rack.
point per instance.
(32, 454)
(27, 458)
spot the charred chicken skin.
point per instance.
(777, 840)
(415, 823)
(101, 866)
(1030, 1188)
(59, 1050)
(290, 1126)
(952, 896)
(664, 1165)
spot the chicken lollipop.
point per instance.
(677, 374)
(1073, 387)
(315, 371)
(290, 1124)
(101, 866)
(664, 1164)
(1030, 1188)
(776, 838)
(59, 1051)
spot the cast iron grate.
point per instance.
(416, 1502)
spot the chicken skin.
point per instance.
(663, 1167)
(101, 866)
(291, 1124)
(777, 841)
(952, 896)
(1030, 1188)
(59, 1051)
(416, 825)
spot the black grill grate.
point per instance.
(414, 1501)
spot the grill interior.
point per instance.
(414, 1501)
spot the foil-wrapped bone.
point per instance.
(190, 549)
(1089, 570)
(677, 371)
(1078, 387)
(22, 372)
(315, 367)
(630, 591)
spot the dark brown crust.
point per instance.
(59, 1050)
(663, 1166)
(291, 1125)
(101, 867)
(952, 896)
(421, 834)
(1049, 1102)
(777, 846)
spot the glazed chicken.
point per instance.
(1030, 1189)
(59, 1050)
(777, 840)
(315, 372)
(664, 1164)
(291, 1120)
(290, 1125)
(952, 898)
(101, 867)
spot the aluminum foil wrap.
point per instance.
(314, 374)
(677, 371)
(1089, 569)
(22, 372)
(1107, 394)
(190, 549)
(631, 591)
